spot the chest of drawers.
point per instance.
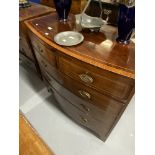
(92, 84)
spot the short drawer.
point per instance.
(48, 54)
(103, 81)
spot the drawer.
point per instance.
(103, 81)
(48, 54)
(46, 67)
(98, 128)
(107, 115)
(43, 63)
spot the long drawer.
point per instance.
(103, 81)
(106, 115)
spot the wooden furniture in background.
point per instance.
(94, 81)
(25, 48)
(29, 141)
(76, 8)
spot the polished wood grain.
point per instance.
(29, 141)
(101, 80)
(115, 57)
(34, 11)
(76, 7)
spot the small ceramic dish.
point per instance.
(68, 38)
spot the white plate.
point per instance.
(68, 38)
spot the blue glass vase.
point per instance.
(126, 23)
(63, 8)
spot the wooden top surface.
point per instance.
(33, 11)
(98, 48)
(29, 142)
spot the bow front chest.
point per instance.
(93, 81)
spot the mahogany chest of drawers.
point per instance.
(26, 52)
(92, 82)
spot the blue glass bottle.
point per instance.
(126, 23)
(63, 8)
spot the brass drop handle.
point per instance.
(84, 107)
(84, 120)
(86, 78)
(84, 94)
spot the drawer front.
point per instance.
(97, 127)
(101, 80)
(43, 63)
(49, 55)
(46, 67)
(107, 115)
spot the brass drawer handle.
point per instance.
(86, 78)
(84, 120)
(84, 94)
(84, 107)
